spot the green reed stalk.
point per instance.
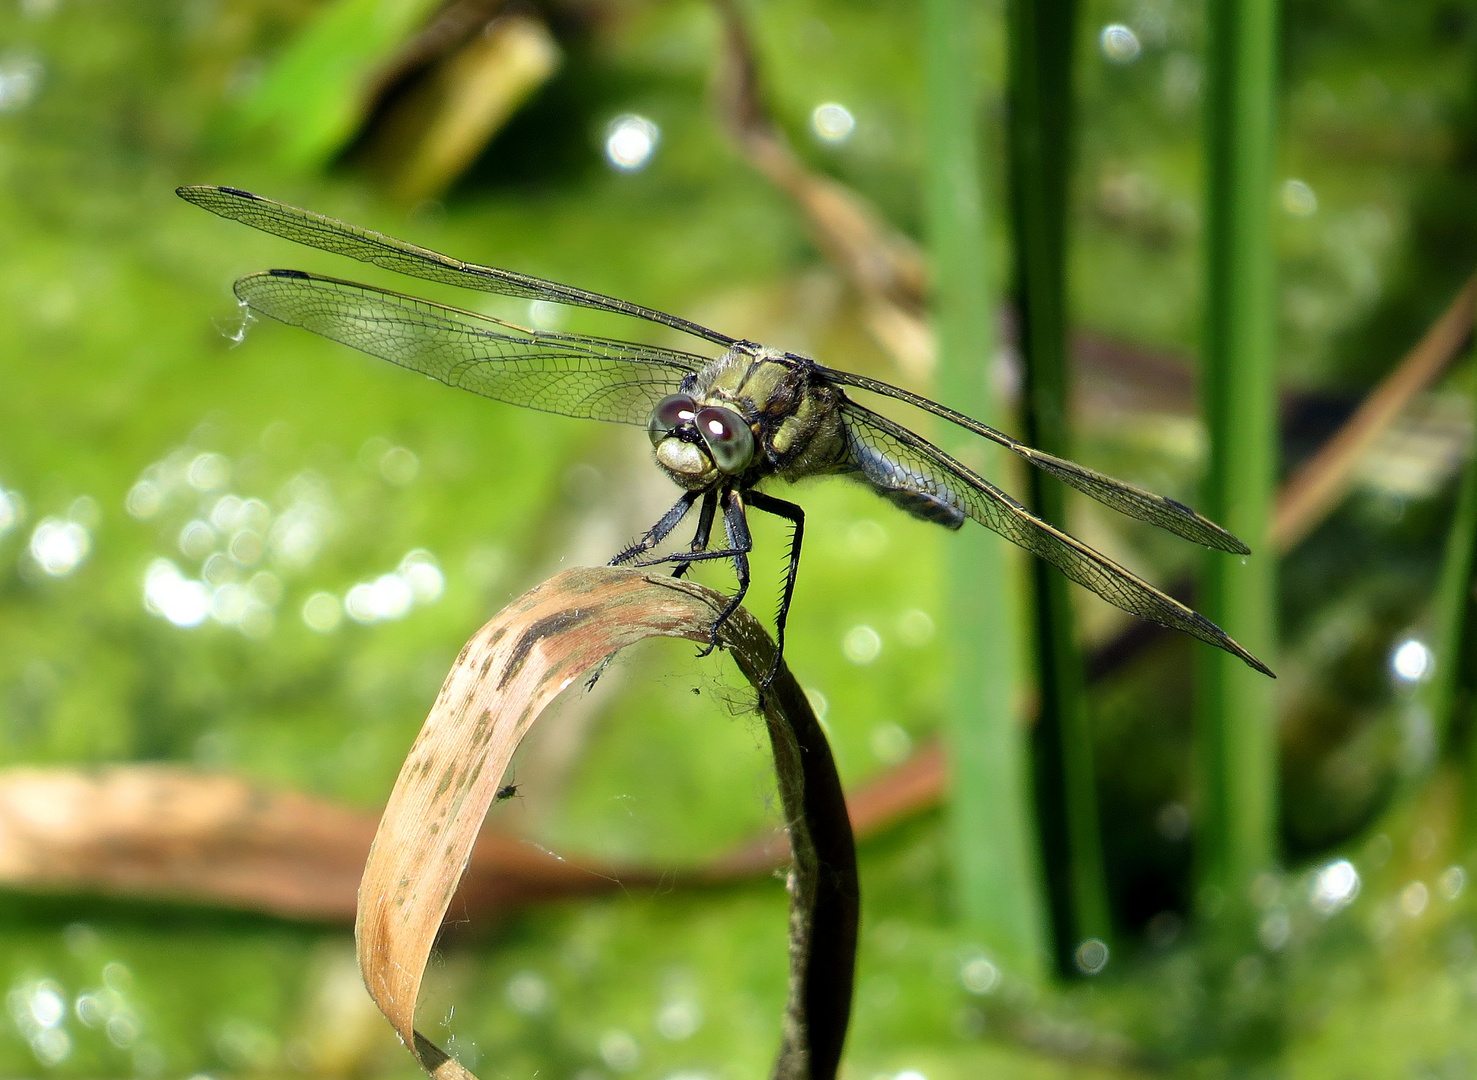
(1235, 707)
(1451, 696)
(993, 838)
(1454, 634)
(1041, 40)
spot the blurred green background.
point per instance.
(259, 552)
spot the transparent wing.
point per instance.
(329, 234)
(570, 374)
(1127, 499)
(892, 457)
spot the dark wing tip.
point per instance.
(1213, 536)
(1255, 664)
(1236, 649)
(199, 193)
(1209, 632)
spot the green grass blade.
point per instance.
(1041, 38)
(1451, 695)
(993, 836)
(1454, 634)
(1236, 707)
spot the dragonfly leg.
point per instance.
(654, 536)
(740, 543)
(658, 532)
(704, 530)
(795, 515)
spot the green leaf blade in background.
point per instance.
(994, 859)
(1040, 96)
(310, 102)
(1236, 720)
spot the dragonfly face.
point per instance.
(752, 414)
(699, 443)
(720, 428)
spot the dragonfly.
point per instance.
(722, 428)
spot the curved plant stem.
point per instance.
(544, 642)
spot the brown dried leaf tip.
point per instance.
(505, 677)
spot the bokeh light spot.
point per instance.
(678, 1020)
(891, 743)
(174, 597)
(322, 612)
(528, 993)
(630, 142)
(1091, 956)
(861, 645)
(1412, 661)
(619, 1050)
(832, 122)
(979, 975)
(1334, 887)
(59, 546)
(1298, 199)
(1119, 44)
(12, 510)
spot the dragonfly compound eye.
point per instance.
(729, 439)
(671, 412)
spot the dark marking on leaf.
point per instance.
(447, 779)
(548, 626)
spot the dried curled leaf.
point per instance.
(504, 679)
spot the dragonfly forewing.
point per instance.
(1127, 499)
(329, 234)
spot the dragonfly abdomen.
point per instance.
(923, 505)
(903, 487)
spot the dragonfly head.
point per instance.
(696, 443)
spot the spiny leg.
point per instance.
(740, 543)
(795, 515)
(704, 529)
(741, 546)
(658, 532)
(654, 536)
